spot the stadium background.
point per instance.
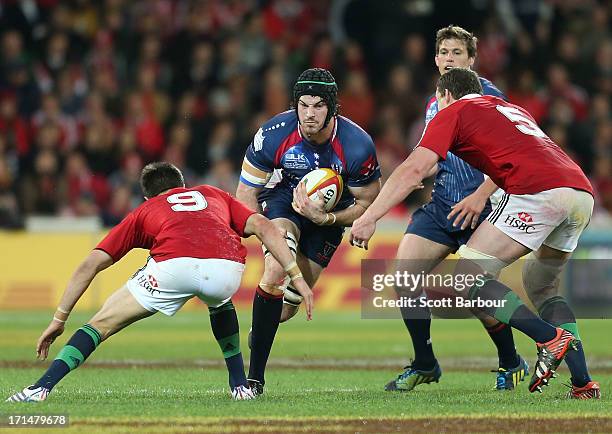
(90, 91)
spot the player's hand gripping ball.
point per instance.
(326, 181)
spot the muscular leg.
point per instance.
(120, 310)
(541, 282)
(417, 319)
(225, 328)
(514, 312)
(267, 307)
(418, 254)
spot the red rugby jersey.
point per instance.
(503, 141)
(200, 222)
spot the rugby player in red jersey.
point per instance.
(431, 236)
(193, 235)
(547, 204)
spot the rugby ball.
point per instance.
(328, 182)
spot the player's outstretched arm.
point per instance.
(274, 241)
(248, 196)
(95, 262)
(406, 178)
(469, 209)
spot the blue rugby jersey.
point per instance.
(278, 144)
(456, 179)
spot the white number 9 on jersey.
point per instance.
(187, 201)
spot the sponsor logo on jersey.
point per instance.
(296, 161)
(521, 222)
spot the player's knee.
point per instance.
(405, 287)
(541, 279)
(292, 243)
(491, 265)
(274, 283)
(272, 289)
(104, 325)
(274, 280)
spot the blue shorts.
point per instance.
(317, 243)
(430, 222)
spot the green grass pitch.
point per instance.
(167, 375)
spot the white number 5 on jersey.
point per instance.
(188, 201)
(523, 123)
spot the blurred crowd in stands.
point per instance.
(90, 91)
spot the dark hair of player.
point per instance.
(459, 82)
(456, 32)
(158, 177)
(318, 82)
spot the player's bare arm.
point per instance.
(364, 197)
(432, 172)
(469, 209)
(404, 180)
(315, 212)
(248, 195)
(273, 239)
(97, 261)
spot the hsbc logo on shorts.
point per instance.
(148, 282)
(522, 222)
(525, 217)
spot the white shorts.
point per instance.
(555, 218)
(496, 197)
(167, 285)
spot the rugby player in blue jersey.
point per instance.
(441, 226)
(310, 136)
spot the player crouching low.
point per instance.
(193, 235)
